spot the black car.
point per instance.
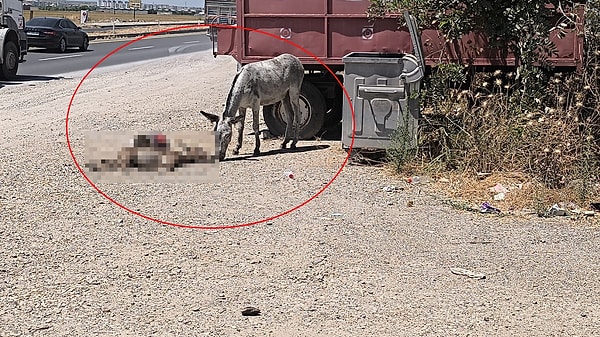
(55, 33)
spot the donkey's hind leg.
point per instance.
(295, 112)
(255, 120)
(289, 116)
(240, 129)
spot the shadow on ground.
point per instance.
(278, 151)
(57, 53)
(21, 79)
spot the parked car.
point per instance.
(55, 33)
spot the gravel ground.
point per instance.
(356, 261)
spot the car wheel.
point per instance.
(11, 61)
(312, 113)
(62, 45)
(86, 43)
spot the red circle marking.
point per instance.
(208, 227)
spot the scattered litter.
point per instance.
(482, 175)
(289, 174)
(337, 215)
(250, 311)
(487, 208)
(498, 189)
(589, 213)
(556, 210)
(417, 180)
(444, 180)
(390, 188)
(499, 196)
(270, 223)
(468, 273)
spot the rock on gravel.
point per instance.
(356, 261)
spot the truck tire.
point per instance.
(11, 61)
(312, 111)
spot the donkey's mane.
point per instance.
(227, 106)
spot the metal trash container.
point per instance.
(383, 89)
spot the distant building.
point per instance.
(110, 4)
(124, 4)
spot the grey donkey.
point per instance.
(257, 84)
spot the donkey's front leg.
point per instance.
(240, 129)
(255, 119)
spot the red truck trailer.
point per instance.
(331, 29)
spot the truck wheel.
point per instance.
(312, 113)
(11, 61)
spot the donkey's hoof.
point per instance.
(236, 152)
(257, 152)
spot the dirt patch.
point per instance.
(360, 259)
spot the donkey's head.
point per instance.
(223, 130)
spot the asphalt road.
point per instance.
(42, 63)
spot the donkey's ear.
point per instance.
(213, 118)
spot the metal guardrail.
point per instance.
(142, 24)
(116, 34)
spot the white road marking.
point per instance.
(140, 48)
(59, 57)
(193, 41)
(181, 48)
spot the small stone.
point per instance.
(410, 203)
(468, 273)
(250, 311)
(389, 188)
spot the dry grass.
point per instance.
(524, 195)
(542, 146)
(537, 134)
